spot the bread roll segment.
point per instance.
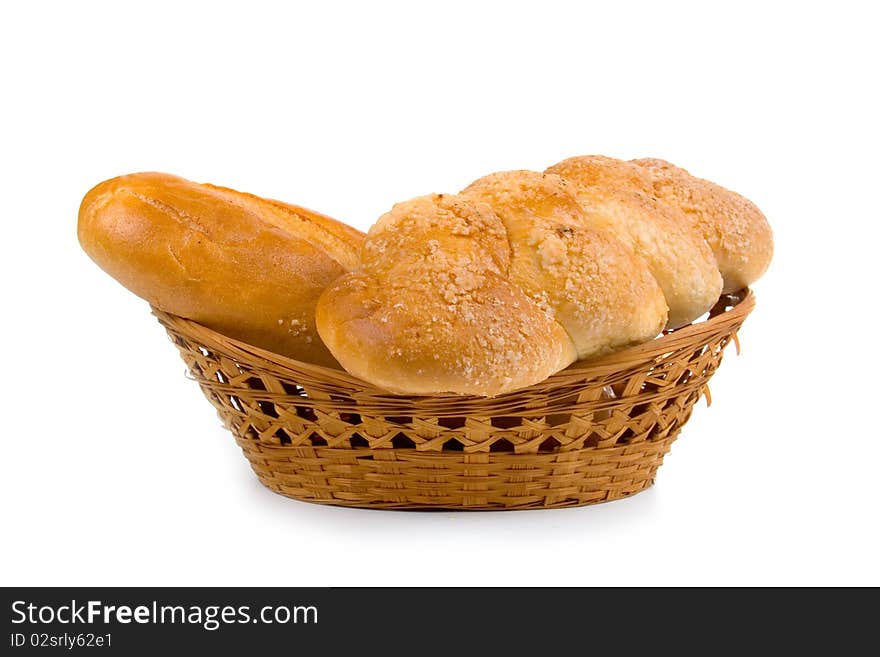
(598, 290)
(248, 267)
(618, 197)
(735, 229)
(432, 310)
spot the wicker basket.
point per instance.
(594, 432)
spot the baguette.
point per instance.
(248, 267)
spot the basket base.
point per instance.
(480, 481)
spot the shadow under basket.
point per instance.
(594, 432)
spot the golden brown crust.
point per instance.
(598, 290)
(247, 267)
(617, 197)
(735, 229)
(433, 311)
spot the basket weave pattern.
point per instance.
(594, 432)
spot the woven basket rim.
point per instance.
(730, 309)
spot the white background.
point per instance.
(116, 471)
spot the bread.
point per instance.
(486, 292)
(735, 229)
(433, 309)
(618, 197)
(602, 294)
(248, 267)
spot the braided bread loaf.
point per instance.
(486, 292)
